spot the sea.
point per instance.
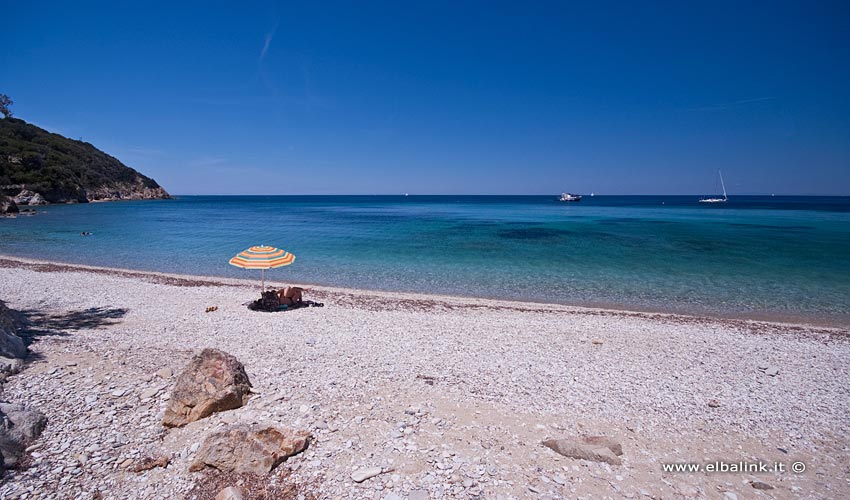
(759, 257)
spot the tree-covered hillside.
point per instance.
(64, 170)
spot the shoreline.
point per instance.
(452, 396)
(733, 318)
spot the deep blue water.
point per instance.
(754, 256)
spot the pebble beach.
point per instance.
(448, 397)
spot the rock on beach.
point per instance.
(593, 448)
(19, 427)
(249, 448)
(214, 381)
(361, 475)
(11, 345)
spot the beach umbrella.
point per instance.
(262, 257)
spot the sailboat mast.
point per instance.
(722, 184)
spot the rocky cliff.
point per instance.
(39, 167)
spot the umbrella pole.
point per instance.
(263, 271)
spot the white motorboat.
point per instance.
(569, 197)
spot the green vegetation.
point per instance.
(59, 168)
(5, 105)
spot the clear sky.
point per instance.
(444, 98)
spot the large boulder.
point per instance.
(7, 205)
(214, 381)
(593, 448)
(19, 426)
(11, 346)
(10, 366)
(27, 197)
(245, 448)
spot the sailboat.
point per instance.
(717, 200)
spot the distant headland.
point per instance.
(39, 167)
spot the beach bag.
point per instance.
(268, 301)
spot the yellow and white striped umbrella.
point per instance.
(262, 257)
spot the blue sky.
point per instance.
(444, 98)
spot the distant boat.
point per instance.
(569, 197)
(717, 200)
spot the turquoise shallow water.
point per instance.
(784, 257)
